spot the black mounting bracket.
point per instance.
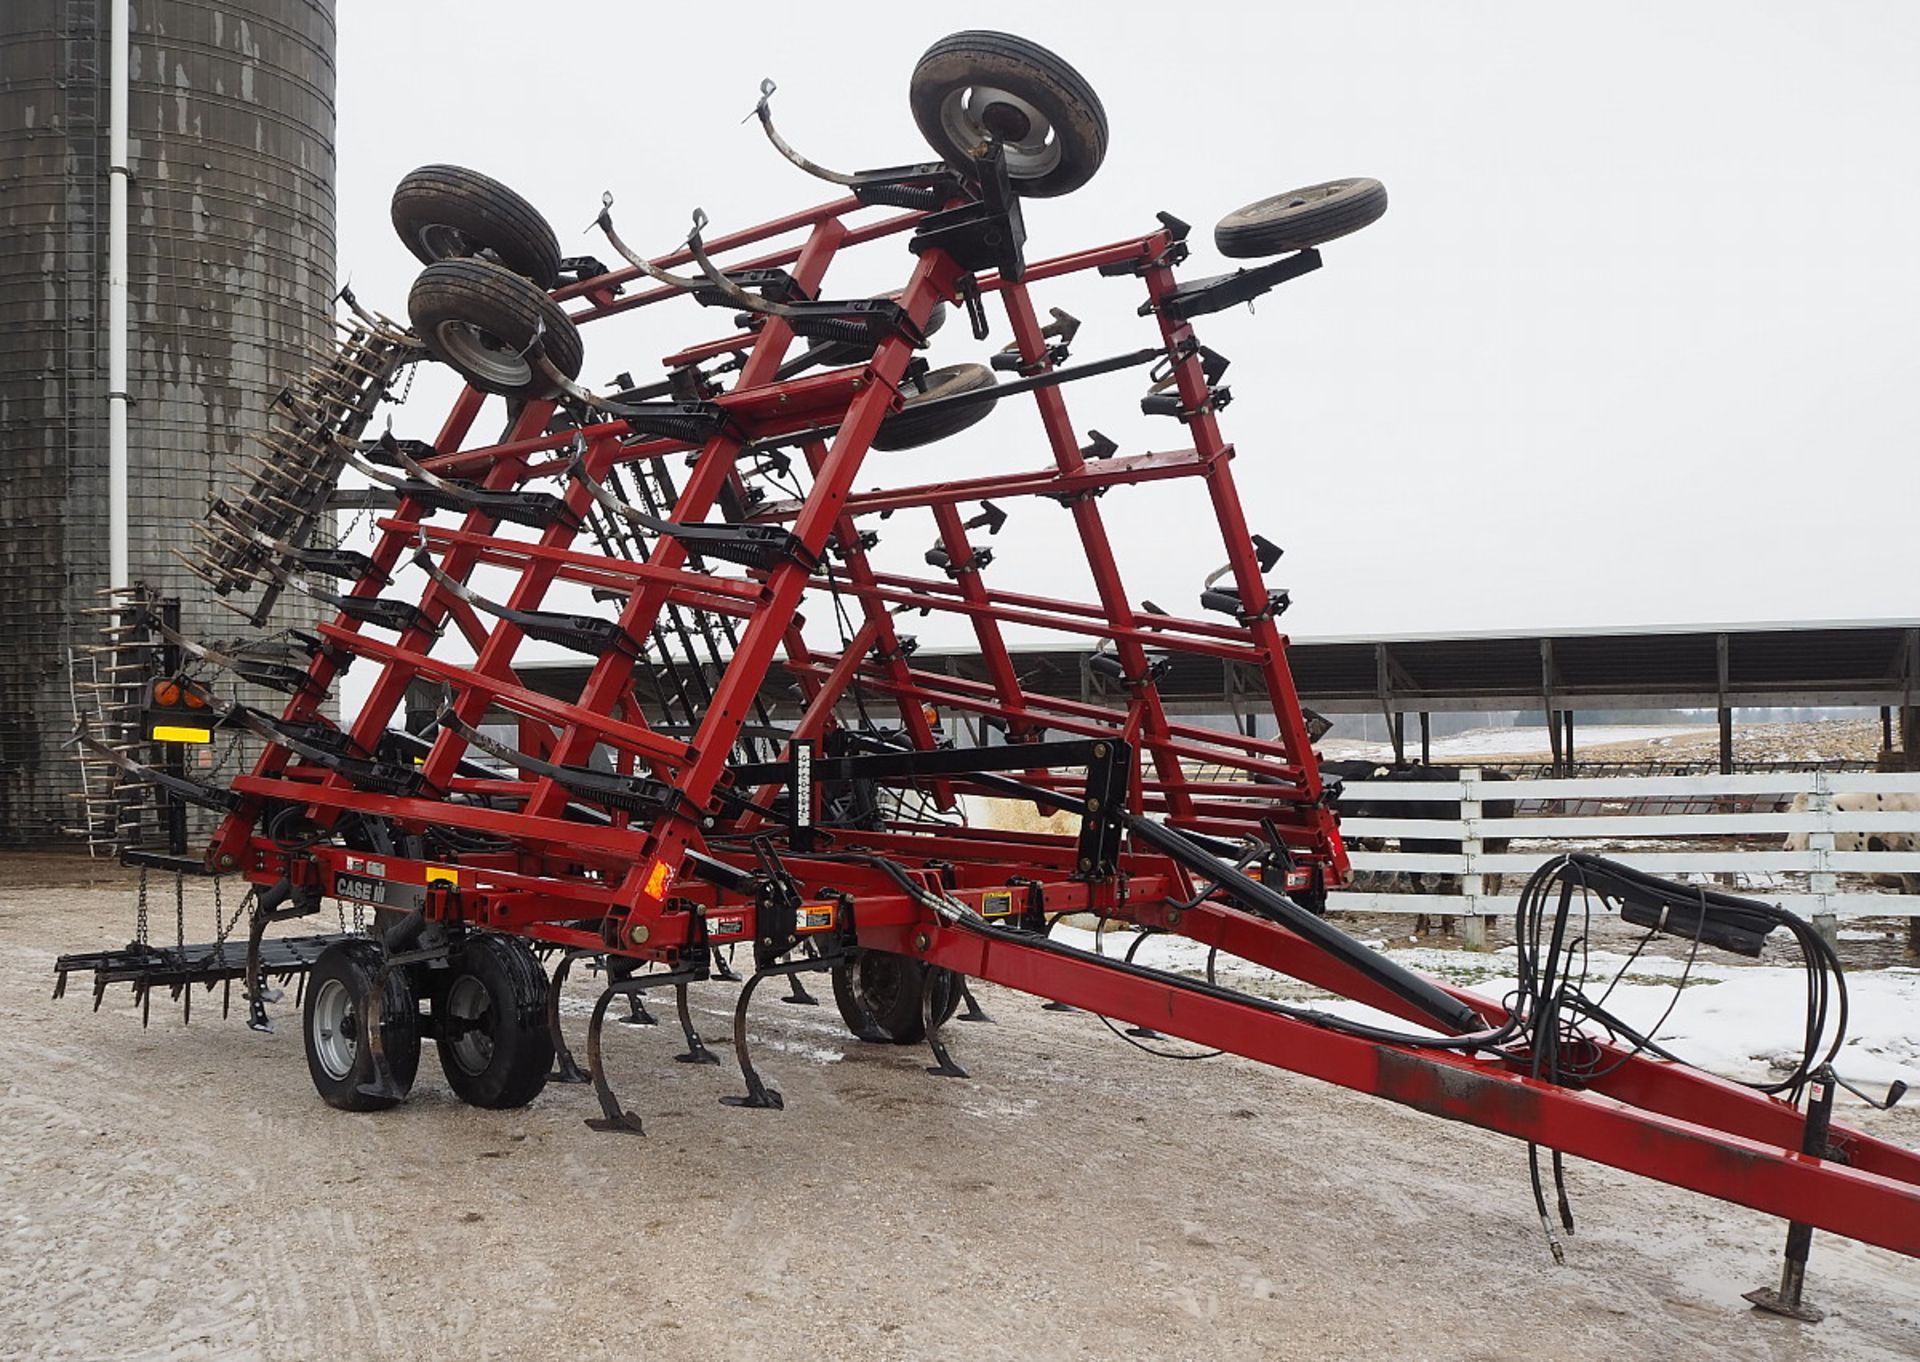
(1221, 291)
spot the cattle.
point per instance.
(1361, 797)
(1867, 841)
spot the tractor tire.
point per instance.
(1300, 218)
(336, 999)
(485, 322)
(451, 213)
(882, 990)
(973, 86)
(491, 1023)
(909, 428)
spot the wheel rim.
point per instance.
(878, 981)
(1304, 198)
(470, 1014)
(975, 113)
(442, 242)
(335, 1031)
(483, 354)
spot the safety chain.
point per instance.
(180, 911)
(140, 911)
(224, 928)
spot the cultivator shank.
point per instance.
(755, 759)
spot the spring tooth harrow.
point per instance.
(728, 777)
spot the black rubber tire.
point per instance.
(484, 321)
(1300, 218)
(882, 988)
(351, 966)
(502, 1058)
(978, 59)
(449, 213)
(910, 427)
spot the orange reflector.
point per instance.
(166, 692)
(657, 878)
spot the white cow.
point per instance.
(1867, 841)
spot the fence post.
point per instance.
(1473, 927)
(1823, 883)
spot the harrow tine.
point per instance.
(758, 1095)
(974, 1012)
(797, 992)
(565, 1069)
(613, 1120)
(697, 1051)
(1145, 1032)
(605, 223)
(637, 1014)
(764, 112)
(934, 994)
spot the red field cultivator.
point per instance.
(735, 773)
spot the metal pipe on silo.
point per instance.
(118, 573)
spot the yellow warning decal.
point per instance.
(997, 903)
(438, 873)
(178, 733)
(657, 880)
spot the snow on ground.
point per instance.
(1740, 1021)
(1514, 742)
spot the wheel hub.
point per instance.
(483, 353)
(470, 1024)
(442, 242)
(336, 1029)
(980, 113)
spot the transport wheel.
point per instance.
(910, 428)
(337, 992)
(450, 212)
(491, 1023)
(1300, 218)
(882, 989)
(486, 323)
(977, 86)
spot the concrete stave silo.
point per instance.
(230, 276)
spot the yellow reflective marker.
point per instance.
(438, 873)
(178, 733)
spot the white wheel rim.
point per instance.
(469, 1004)
(482, 354)
(334, 1029)
(970, 115)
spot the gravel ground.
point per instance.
(181, 1192)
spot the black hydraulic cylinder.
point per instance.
(1454, 1017)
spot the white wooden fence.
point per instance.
(1806, 882)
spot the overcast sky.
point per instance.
(1633, 345)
